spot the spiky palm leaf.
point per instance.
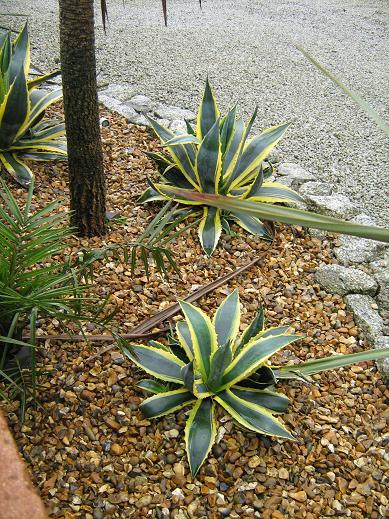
(216, 366)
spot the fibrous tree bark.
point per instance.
(85, 156)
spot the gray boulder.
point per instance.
(336, 279)
(316, 189)
(121, 92)
(178, 126)
(366, 315)
(382, 278)
(338, 206)
(358, 250)
(141, 103)
(173, 112)
(293, 175)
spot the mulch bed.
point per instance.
(92, 454)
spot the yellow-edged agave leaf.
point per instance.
(44, 145)
(273, 192)
(200, 390)
(252, 330)
(253, 356)
(20, 54)
(275, 402)
(184, 338)
(255, 152)
(252, 225)
(252, 416)
(274, 330)
(227, 319)
(183, 139)
(203, 336)
(227, 132)
(164, 403)
(208, 160)
(164, 190)
(233, 148)
(208, 112)
(157, 362)
(18, 170)
(151, 194)
(282, 214)
(210, 229)
(152, 386)
(327, 363)
(220, 360)
(39, 103)
(34, 83)
(180, 152)
(14, 110)
(200, 433)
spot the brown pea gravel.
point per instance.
(93, 455)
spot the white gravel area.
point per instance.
(246, 47)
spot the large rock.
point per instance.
(338, 206)
(366, 315)
(383, 365)
(316, 189)
(174, 112)
(141, 103)
(293, 175)
(382, 278)
(120, 92)
(178, 126)
(358, 250)
(336, 279)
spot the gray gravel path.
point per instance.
(246, 47)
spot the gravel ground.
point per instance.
(93, 455)
(247, 49)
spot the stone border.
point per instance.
(18, 497)
(362, 275)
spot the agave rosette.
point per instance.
(210, 365)
(24, 133)
(219, 158)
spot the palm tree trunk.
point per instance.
(78, 61)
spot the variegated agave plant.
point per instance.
(24, 134)
(218, 157)
(210, 364)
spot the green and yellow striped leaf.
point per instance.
(220, 360)
(14, 110)
(152, 386)
(157, 362)
(203, 336)
(200, 433)
(232, 152)
(18, 170)
(227, 129)
(252, 225)
(208, 112)
(185, 338)
(252, 331)
(180, 153)
(255, 152)
(273, 192)
(252, 356)
(276, 402)
(252, 416)
(165, 403)
(227, 319)
(210, 229)
(208, 161)
(182, 139)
